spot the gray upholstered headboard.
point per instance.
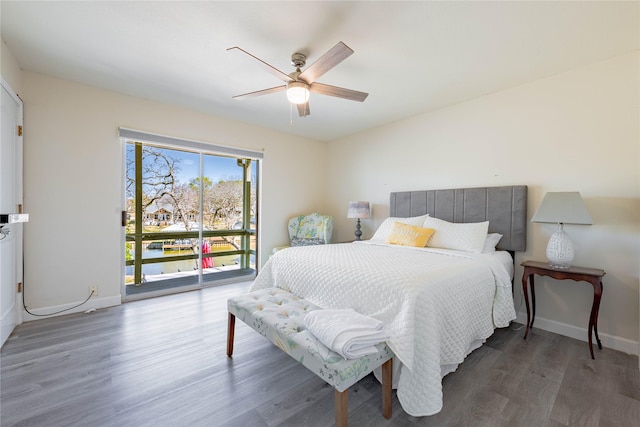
(504, 207)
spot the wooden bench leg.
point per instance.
(342, 408)
(231, 327)
(387, 385)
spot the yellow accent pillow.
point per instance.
(409, 235)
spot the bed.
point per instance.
(439, 303)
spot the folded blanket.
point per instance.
(345, 331)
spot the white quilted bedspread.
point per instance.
(435, 303)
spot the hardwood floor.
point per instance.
(161, 362)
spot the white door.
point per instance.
(10, 198)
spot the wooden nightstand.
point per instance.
(591, 275)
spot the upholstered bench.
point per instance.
(279, 315)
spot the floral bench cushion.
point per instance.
(279, 315)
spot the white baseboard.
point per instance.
(610, 341)
(93, 303)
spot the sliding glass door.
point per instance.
(190, 218)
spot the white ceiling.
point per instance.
(411, 57)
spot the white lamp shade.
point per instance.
(562, 207)
(298, 92)
(358, 210)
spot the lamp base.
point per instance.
(560, 250)
(358, 232)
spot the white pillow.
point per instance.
(385, 228)
(467, 237)
(491, 242)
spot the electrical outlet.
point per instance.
(93, 290)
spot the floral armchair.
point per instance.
(311, 229)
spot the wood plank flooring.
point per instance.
(161, 362)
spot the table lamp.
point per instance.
(358, 210)
(561, 208)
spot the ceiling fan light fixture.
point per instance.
(298, 92)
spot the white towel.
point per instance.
(345, 331)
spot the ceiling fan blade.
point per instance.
(333, 57)
(271, 69)
(303, 109)
(340, 92)
(261, 92)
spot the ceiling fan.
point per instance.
(299, 84)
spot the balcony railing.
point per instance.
(177, 241)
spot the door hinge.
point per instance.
(19, 130)
(19, 287)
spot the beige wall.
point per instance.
(9, 68)
(577, 131)
(74, 182)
